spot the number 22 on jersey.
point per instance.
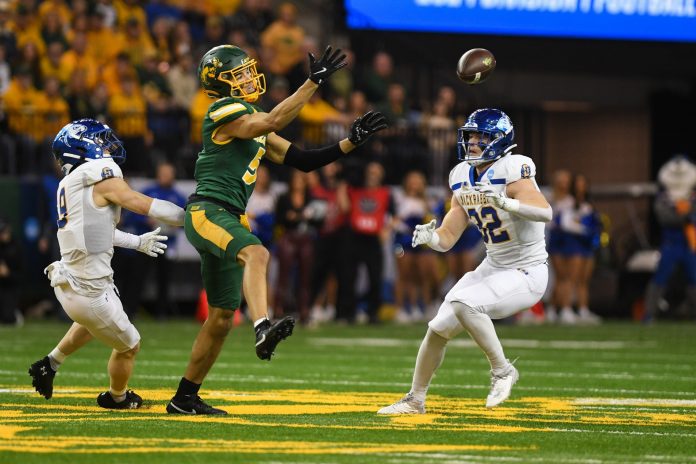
(249, 176)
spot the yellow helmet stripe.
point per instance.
(226, 111)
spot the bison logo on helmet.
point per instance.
(209, 69)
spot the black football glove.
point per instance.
(328, 64)
(366, 125)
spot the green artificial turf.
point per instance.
(615, 393)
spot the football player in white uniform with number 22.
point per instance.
(496, 190)
(89, 201)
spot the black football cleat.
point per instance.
(269, 335)
(132, 401)
(42, 377)
(192, 405)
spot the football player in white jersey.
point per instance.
(495, 190)
(89, 201)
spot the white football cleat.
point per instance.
(567, 317)
(587, 317)
(406, 405)
(501, 386)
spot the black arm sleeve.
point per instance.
(309, 160)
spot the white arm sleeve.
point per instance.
(531, 213)
(435, 243)
(167, 212)
(126, 240)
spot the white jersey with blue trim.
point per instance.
(511, 241)
(85, 230)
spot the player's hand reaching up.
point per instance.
(423, 234)
(151, 243)
(366, 125)
(329, 63)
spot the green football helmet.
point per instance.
(228, 71)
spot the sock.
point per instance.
(261, 324)
(430, 356)
(56, 358)
(480, 327)
(187, 388)
(118, 396)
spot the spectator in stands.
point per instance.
(118, 71)
(328, 241)
(295, 247)
(52, 64)
(108, 13)
(182, 82)
(556, 246)
(8, 41)
(161, 31)
(52, 29)
(162, 9)
(213, 35)
(367, 205)
(439, 131)
(29, 59)
(77, 58)
(127, 11)
(182, 43)
(128, 113)
(4, 70)
(103, 44)
(79, 97)
(99, 102)
(376, 80)
(55, 113)
(22, 105)
(55, 7)
(10, 275)
(283, 42)
(315, 115)
(25, 27)
(341, 83)
(136, 42)
(253, 17)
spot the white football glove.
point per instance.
(498, 199)
(151, 243)
(423, 234)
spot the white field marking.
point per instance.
(26, 390)
(622, 432)
(671, 458)
(466, 343)
(469, 459)
(457, 385)
(635, 401)
(604, 376)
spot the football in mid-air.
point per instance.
(475, 66)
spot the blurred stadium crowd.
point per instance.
(133, 65)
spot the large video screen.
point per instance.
(660, 20)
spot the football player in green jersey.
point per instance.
(236, 136)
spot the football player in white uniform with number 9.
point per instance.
(89, 201)
(495, 190)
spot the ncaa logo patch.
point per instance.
(490, 173)
(526, 171)
(107, 173)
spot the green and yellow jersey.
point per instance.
(226, 170)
